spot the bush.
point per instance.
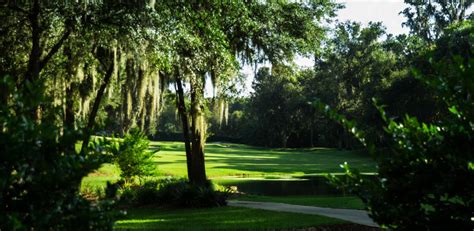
(174, 193)
(424, 179)
(183, 194)
(132, 156)
(40, 173)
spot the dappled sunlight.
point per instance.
(227, 159)
(244, 161)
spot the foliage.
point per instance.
(276, 101)
(182, 193)
(355, 65)
(423, 174)
(144, 194)
(40, 174)
(210, 38)
(428, 19)
(173, 192)
(133, 156)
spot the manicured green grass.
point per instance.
(224, 163)
(97, 180)
(342, 202)
(222, 218)
(228, 159)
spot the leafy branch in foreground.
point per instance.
(422, 180)
(40, 175)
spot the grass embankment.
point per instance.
(237, 160)
(222, 218)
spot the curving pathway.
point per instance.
(352, 215)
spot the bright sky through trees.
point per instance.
(385, 11)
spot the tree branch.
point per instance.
(95, 108)
(54, 49)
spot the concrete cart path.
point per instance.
(352, 215)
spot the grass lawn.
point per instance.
(222, 218)
(342, 202)
(227, 163)
(227, 159)
(98, 179)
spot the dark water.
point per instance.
(308, 186)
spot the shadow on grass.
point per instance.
(257, 160)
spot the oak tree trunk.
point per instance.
(34, 59)
(198, 130)
(184, 120)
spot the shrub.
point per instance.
(40, 173)
(132, 156)
(425, 174)
(174, 193)
(179, 192)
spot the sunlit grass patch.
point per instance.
(238, 160)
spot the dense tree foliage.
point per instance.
(40, 174)
(75, 68)
(215, 35)
(275, 106)
(355, 65)
(427, 19)
(421, 182)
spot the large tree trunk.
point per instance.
(35, 63)
(33, 68)
(4, 90)
(284, 141)
(69, 117)
(198, 131)
(184, 121)
(4, 94)
(34, 59)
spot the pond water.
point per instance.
(314, 185)
(282, 187)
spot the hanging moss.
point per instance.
(221, 111)
(154, 102)
(111, 88)
(141, 93)
(226, 113)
